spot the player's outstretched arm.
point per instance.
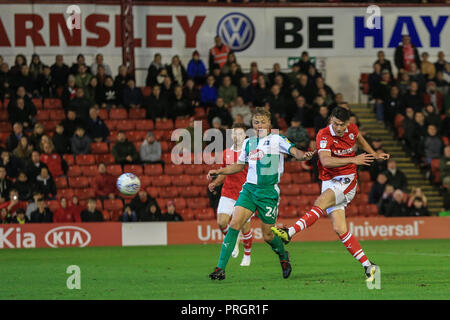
(216, 182)
(301, 155)
(367, 148)
(231, 169)
(328, 161)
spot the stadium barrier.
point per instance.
(57, 235)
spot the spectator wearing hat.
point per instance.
(91, 214)
(124, 151)
(297, 134)
(104, 184)
(196, 69)
(171, 214)
(129, 215)
(42, 214)
(150, 150)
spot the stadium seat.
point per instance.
(311, 189)
(180, 204)
(290, 190)
(169, 192)
(74, 171)
(99, 147)
(193, 169)
(200, 181)
(113, 204)
(145, 181)
(366, 186)
(116, 214)
(136, 136)
(5, 127)
(181, 123)
(361, 199)
(351, 210)
(311, 133)
(161, 181)
(104, 115)
(111, 124)
(200, 113)
(65, 193)
(436, 170)
(125, 125)
(52, 103)
(173, 169)
(187, 214)
(114, 170)
(206, 214)
(42, 115)
(287, 212)
(145, 125)
(189, 192)
(53, 205)
(286, 178)
(107, 159)
(60, 182)
(106, 215)
(85, 159)
(164, 125)
(57, 115)
(398, 120)
(69, 159)
(135, 114)
(181, 180)
(161, 202)
(37, 103)
(301, 178)
(297, 200)
(364, 176)
(199, 203)
(133, 168)
(78, 182)
(293, 167)
(146, 91)
(153, 169)
(50, 126)
(370, 210)
(165, 146)
(84, 194)
(118, 114)
(90, 171)
(4, 116)
(152, 191)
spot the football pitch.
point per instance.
(410, 269)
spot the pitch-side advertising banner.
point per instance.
(250, 31)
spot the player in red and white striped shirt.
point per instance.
(232, 185)
(336, 146)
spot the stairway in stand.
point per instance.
(376, 129)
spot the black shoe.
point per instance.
(370, 271)
(286, 266)
(218, 274)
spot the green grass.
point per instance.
(410, 269)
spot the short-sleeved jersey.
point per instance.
(341, 147)
(233, 183)
(265, 158)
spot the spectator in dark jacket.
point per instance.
(128, 215)
(132, 95)
(5, 185)
(42, 214)
(141, 201)
(97, 130)
(149, 213)
(413, 98)
(24, 187)
(395, 176)
(22, 113)
(91, 214)
(153, 70)
(321, 120)
(405, 54)
(219, 110)
(81, 105)
(81, 143)
(14, 137)
(12, 164)
(33, 167)
(176, 71)
(61, 141)
(179, 106)
(377, 190)
(71, 123)
(109, 96)
(397, 208)
(156, 105)
(45, 84)
(171, 214)
(418, 209)
(45, 184)
(59, 71)
(69, 92)
(124, 152)
(120, 82)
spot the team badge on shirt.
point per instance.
(351, 136)
(323, 144)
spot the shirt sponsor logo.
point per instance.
(343, 152)
(256, 154)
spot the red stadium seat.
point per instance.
(301, 178)
(436, 170)
(52, 103)
(103, 114)
(145, 125)
(293, 167)
(311, 189)
(105, 158)
(106, 215)
(145, 181)
(134, 168)
(111, 124)
(118, 114)
(50, 126)
(5, 127)
(85, 159)
(366, 186)
(114, 169)
(99, 147)
(286, 178)
(146, 91)
(187, 214)
(113, 204)
(311, 133)
(370, 210)
(166, 158)
(136, 136)
(37, 103)
(200, 180)
(78, 182)
(74, 171)
(153, 169)
(288, 212)
(199, 203)
(60, 182)
(161, 181)
(137, 114)
(69, 159)
(181, 123)
(398, 120)
(42, 115)
(364, 176)
(173, 169)
(125, 125)
(90, 171)
(290, 190)
(180, 204)
(162, 202)
(181, 180)
(164, 125)
(4, 116)
(165, 147)
(152, 191)
(199, 114)
(53, 205)
(169, 192)
(57, 115)
(193, 169)
(65, 193)
(189, 192)
(206, 214)
(361, 198)
(351, 211)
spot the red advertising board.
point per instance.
(363, 228)
(59, 235)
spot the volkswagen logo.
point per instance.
(236, 30)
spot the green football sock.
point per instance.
(227, 247)
(278, 247)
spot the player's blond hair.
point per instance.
(263, 112)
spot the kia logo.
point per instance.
(67, 236)
(236, 30)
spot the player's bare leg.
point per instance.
(238, 219)
(351, 243)
(277, 246)
(326, 200)
(247, 238)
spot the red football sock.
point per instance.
(224, 230)
(308, 218)
(247, 238)
(353, 246)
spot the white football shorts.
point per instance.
(344, 188)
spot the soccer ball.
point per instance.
(128, 184)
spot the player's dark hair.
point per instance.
(239, 126)
(340, 114)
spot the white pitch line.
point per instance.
(405, 254)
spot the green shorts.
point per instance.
(263, 198)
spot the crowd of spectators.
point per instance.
(300, 101)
